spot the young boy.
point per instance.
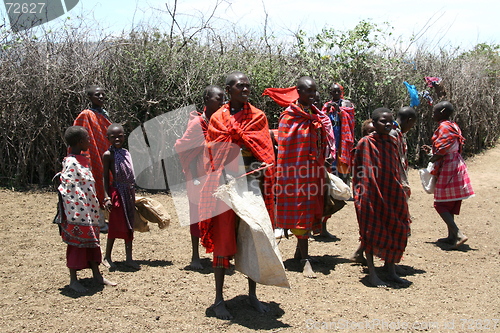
(404, 122)
(305, 139)
(79, 227)
(96, 121)
(190, 149)
(453, 183)
(120, 195)
(379, 198)
(235, 126)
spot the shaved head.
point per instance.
(232, 78)
(305, 82)
(447, 106)
(115, 126)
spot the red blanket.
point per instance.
(97, 125)
(190, 148)
(453, 181)
(379, 198)
(248, 127)
(302, 148)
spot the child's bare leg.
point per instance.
(97, 275)
(219, 306)
(74, 283)
(254, 301)
(107, 262)
(324, 233)
(373, 277)
(391, 274)
(128, 253)
(303, 244)
(458, 238)
(195, 259)
(358, 256)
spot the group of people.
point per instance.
(97, 176)
(310, 144)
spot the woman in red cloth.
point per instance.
(237, 126)
(79, 227)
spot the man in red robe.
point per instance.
(190, 149)
(96, 121)
(237, 127)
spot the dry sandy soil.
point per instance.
(456, 288)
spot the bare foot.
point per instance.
(76, 286)
(447, 240)
(358, 258)
(108, 263)
(376, 282)
(397, 279)
(104, 281)
(257, 304)
(398, 269)
(132, 264)
(325, 234)
(308, 271)
(221, 311)
(196, 264)
(461, 238)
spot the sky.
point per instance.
(463, 23)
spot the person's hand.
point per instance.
(427, 149)
(108, 205)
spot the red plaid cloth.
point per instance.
(97, 125)
(302, 149)
(346, 133)
(379, 198)
(402, 148)
(248, 127)
(453, 181)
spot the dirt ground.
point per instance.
(451, 290)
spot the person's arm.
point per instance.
(194, 171)
(428, 150)
(106, 161)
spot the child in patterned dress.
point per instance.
(120, 195)
(79, 225)
(453, 183)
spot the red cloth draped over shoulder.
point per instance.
(283, 96)
(446, 135)
(379, 198)
(96, 125)
(302, 149)
(191, 145)
(248, 127)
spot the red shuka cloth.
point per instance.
(96, 125)
(379, 198)
(190, 148)
(453, 182)
(248, 127)
(283, 96)
(302, 149)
